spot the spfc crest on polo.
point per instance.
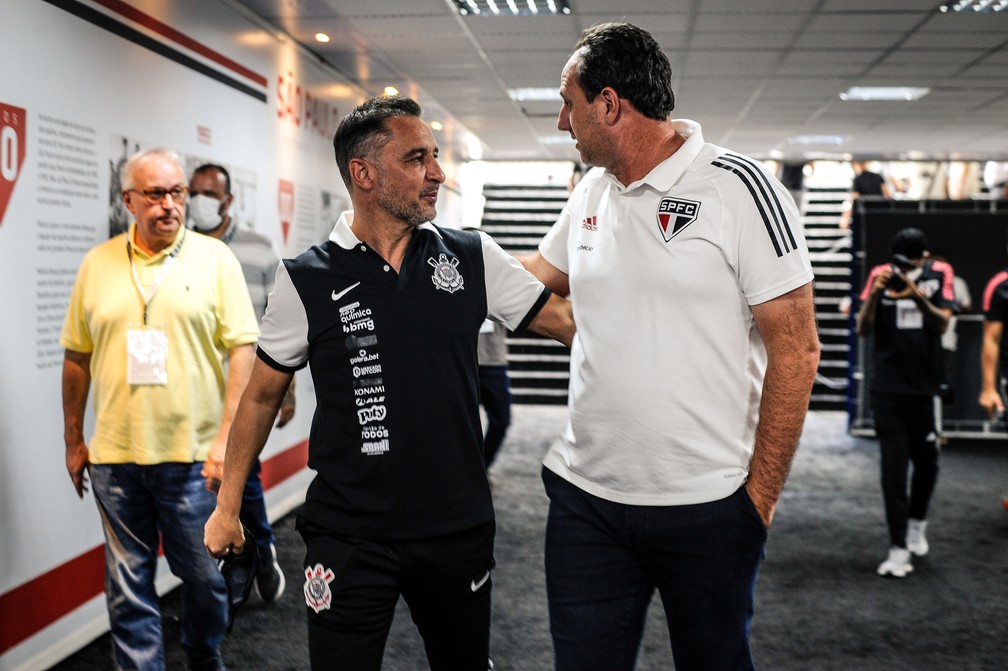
(675, 214)
(446, 275)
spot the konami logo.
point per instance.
(13, 123)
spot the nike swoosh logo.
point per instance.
(474, 586)
(337, 296)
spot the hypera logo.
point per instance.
(675, 214)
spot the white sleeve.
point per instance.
(283, 341)
(763, 235)
(514, 295)
(553, 246)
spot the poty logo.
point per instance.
(590, 223)
(13, 123)
(675, 214)
(375, 413)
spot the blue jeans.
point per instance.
(604, 561)
(253, 513)
(142, 507)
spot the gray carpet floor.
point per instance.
(820, 605)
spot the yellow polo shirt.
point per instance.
(204, 309)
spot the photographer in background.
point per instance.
(906, 306)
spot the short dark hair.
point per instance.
(910, 242)
(363, 131)
(206, 167)
(629, 60)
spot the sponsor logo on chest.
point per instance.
(675, 214)
(355, 318)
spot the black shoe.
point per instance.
(239, 571)
(270, 581)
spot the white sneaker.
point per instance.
(916, 541)
(897, 564)
(270, 581)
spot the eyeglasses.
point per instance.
(156, 195)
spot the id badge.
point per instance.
(146, 354)
(908, 315)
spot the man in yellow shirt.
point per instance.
(153, 314)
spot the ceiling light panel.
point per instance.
(884, 93)
(535, 94)
(975, 7)
(512, 7)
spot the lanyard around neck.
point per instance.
(162, 273)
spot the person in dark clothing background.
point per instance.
(866, 183)
(906, 307)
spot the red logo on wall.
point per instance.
(285, 204)
(13, 136)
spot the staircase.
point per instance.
(517, 217)
(829, 249)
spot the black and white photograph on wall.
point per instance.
(331, 205)
(120, 149)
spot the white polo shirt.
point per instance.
(667, 365)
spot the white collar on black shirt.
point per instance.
(343, 235)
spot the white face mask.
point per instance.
(204, 213)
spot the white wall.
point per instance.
(75, 97)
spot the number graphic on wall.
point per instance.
(12, 151)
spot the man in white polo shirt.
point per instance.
(690, 373)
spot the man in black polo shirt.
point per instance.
(906, 307)
(387, 313)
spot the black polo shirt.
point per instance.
(995, 306)
(907, 357)
(396, 438)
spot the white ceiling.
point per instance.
(753, 72)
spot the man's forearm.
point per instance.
(253, 421)
(787, 387)
(240, 360)
(555, 320)
(76, 383)
(989, 353)
(866, 315)
(787, 325)
(936, 319)
(249, 431)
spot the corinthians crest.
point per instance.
(446, 275)
(316, 588)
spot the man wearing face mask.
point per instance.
(210, 214)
